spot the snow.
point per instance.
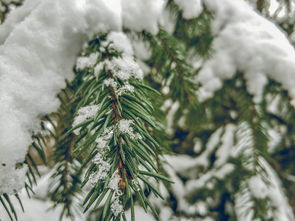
(111, 82)
(140, 15)
(190, 8)
(32, 71)
(245, 145)
(126, 88)
(37, 207)
(114, 182)
(98, 68)
(11, 181)
(256, 187)
(120, 42)
(15, 17)
(140, 214)
(40, 42)
(249, 43)
(201, 181)
(283, 210)
(229, 141)
(40, 209)
(85, 113)
(124, 127)
(224, 150)
(186, 166)
(178, 187)
(104, 139)
(212, 144)
(124, 67)
(42, 38)
(141, 48)
(116, 205)
(86, 61)
(172, 107)
(103, 169)
(136, 184)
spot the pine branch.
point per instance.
(114, 126)
(169, 60)
(195, 34)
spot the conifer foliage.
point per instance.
(116, 126)
(183, 109)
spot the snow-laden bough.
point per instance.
(248, 43)
(40, 42)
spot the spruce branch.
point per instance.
(196, 33)
(169, 60)
(114, 127)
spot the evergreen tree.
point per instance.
(182, 108)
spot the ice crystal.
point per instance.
(111, 82)
(101, 142)
(124, 89)
(124, 68)
(124, 126)
(120, 42)
(83, 114)
(116, 207)
(87, 61)
(103, 169)
(114, 182)
(97, 159)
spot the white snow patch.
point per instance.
(248, 43)
(85, 113)
(103, 169)
(39, 51)
(16, 16)
(124, 67)
(110, 82)
(87, 61)
(125, 127)
(120, 42)
(41, 40)
(190, 8)
(224, 150)
(283, 211)
(140, 15)
(219, 173)
(256, 187)
(124, 89)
